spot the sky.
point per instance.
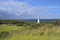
(29, 9)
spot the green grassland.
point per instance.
(29, 31)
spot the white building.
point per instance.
(38, 21)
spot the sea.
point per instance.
(41, 20)
(35, 20)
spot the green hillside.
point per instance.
(29, 31)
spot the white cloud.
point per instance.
(19, 8)
(12, 6)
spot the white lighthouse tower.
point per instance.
(38, 21)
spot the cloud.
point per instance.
(12, 6)
(15, 8)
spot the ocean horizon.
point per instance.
(33, 20)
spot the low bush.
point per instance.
(4, 34)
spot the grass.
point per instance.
(23, 33)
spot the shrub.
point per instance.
(49, 25)
(4, 34)
(56, 22)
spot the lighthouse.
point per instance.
(38, 20)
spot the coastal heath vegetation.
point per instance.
(19, 30)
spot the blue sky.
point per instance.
(29, 9)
